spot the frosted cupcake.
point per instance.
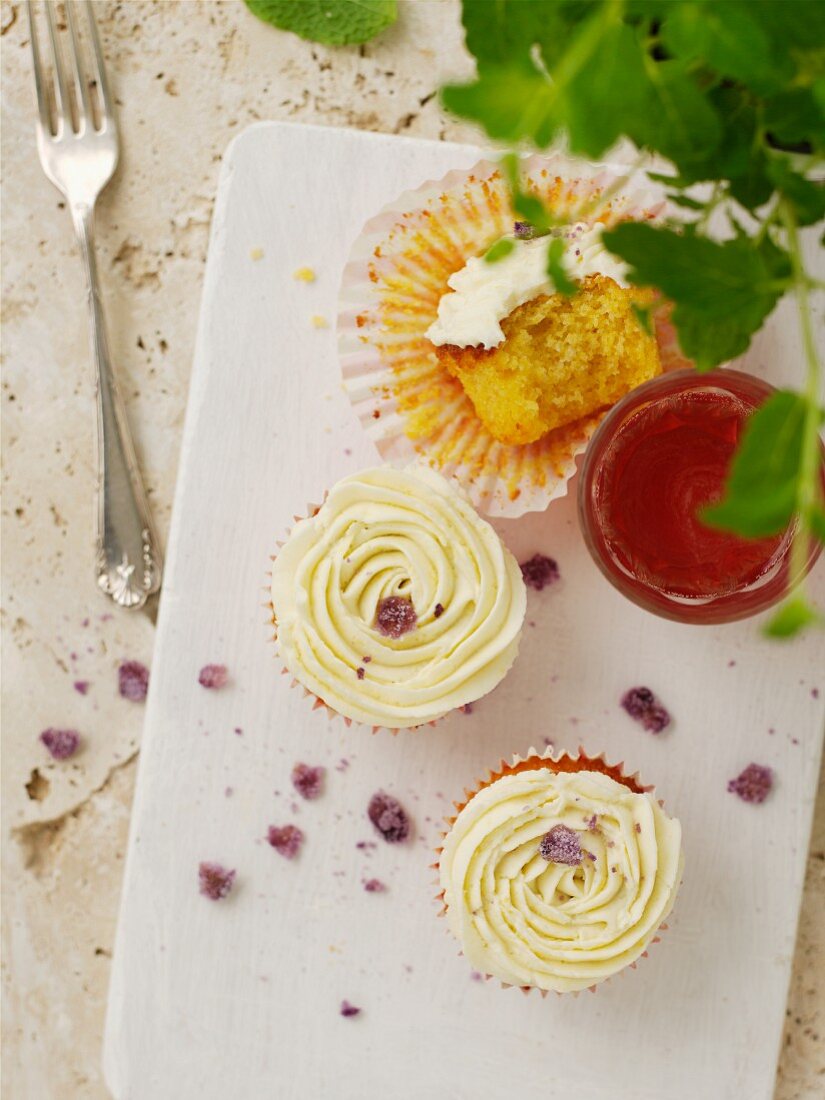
(395, 602)
(557, 873)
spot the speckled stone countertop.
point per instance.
(188, 77)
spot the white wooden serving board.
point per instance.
(241, 998)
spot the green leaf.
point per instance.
(722, 292)
(762, 489)
(817, 521)
(497, 251)
(503, 31)
(726, 38)
(795, 116)
(332, 22)
(792, 617)
(688, 203)
(510, 102)
(807, 197)
(644, 315)
(556, 271)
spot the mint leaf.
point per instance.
(497, 251)
(796, 115)
(808, 198)
(644, 315)
(762, 489)
(722, 292)
(511, 103)
(791, 618)
(332, 22)
(556, 271)
(500, 32)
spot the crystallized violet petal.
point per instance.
(133, 680)
(213, 676)
(389, 817)
(285, 839)
(561, 845)
(754, 784)
(539, 571)
(395, 616)
(308, 781)
(61, 743)
(374, 886)
(641, 704)
(349, 1010)
(214, 881)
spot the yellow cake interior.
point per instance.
(562, 359)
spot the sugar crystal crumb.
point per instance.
(285, 839)
(539, 571)
(561, 845)
(61, 743)
(642, 705)
(133, 680)
(213, 676)
(308, 781)
(389, 817)
(753, 784)
(214, 880)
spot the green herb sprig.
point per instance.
(733, 95)
(331, 22)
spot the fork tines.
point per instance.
(71, 97)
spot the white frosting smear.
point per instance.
(529, 921)
(482, 294)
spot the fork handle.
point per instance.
(128, 560)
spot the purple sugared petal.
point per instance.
(539, 571)
(308, 781)
(349, 1010)
(285, 839)
(81, 687)
(214, 880)
(438, 611)
(523, 231)
(389, 817)
(754, 784)
(61, 743)
(561, 845)
(360, 672)
(133, 680)
(213, 676)
(374, 886)
(395, 616)
(641, 704)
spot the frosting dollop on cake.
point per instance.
(383, 540)
(482, 294)
(534, 905)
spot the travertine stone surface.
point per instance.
(189, 75)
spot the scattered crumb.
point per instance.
(213, 676)
(476, 976)
(366, 845)
(349, 1010)
(753, 784)
(395, 616)
(82, 686)
(228, 791)
(360, 672)
(304, 275)
(308, 781)
(374, 886)
(641, 704)
(214, 880)
(342, 764)
(438, 611)
(133, 680)
(389, 817)
(61, 743)
(593, 823)
(256, 253)
(561, 845)
(238, 731)
(814, 693)
(285, 839)
(467, 708)
(319, 321)
(539, 571)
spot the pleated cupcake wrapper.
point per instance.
(317, 703)
(563, 762)
(398, 268)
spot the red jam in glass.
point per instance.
(659, 457)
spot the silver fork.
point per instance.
(77, 140)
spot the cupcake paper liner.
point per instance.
(407, 402)
(563, 762)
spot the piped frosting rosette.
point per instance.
(397, 272)
(396, 602)
(558, 871)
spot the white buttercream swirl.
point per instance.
(482, 294)
(532, 922)
(397, 533)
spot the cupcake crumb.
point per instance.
(133, 680)
(753, 784)
(213, 676)
(349, 1010)
(389, 817)
(360, 672)
(308, 781)
(214, 880)
(256, 253)
(285, 839)
(304, 275)
(561, 845)
(61, 743)
(642, 705)
(319, 321)
(539, 572)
